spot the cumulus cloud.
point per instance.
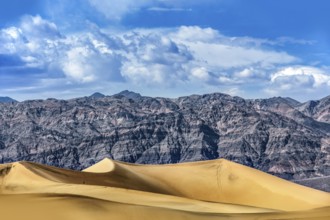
(196, 34)
(86, 58)
(36, 27)
(31, 40)
(187, 56)
(200, 73)
(12, 32)
(218, 51)
(78, 65)
(11, 39)
(159, 56)
(257, 73)
(155, 59)
(301, 76)
(305, 80)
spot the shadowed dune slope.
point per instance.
(217, 189)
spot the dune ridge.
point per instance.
(216, 189)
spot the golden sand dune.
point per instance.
(216, 189)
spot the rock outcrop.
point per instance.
(279, 135)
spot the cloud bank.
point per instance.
(164, 61)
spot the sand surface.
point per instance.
(217, 189)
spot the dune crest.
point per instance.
(104, 166)
(216, 188)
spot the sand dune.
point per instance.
(217, 189)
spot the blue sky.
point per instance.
(171, 48)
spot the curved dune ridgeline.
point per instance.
(216, 189)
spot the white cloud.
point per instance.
(11, 39)
(245, 73)
(78, 66)
(86, 59)
(251, 73)
(223, 79)
(200, 73)
(82, 57)
(228, 56)
(195, 34)
(219, 51)
(13, 32)
(153, 58)
(301, 76)
(303, 82)
(146, 74)
(158, 58)
(34, 40)
(36, 27)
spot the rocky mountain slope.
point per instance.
(319, 110)
(6, 99)
(279, 135)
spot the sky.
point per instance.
(170, 48)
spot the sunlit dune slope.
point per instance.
(217, 189)
(221, 181)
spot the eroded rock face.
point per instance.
(278, 135)
(319, 109)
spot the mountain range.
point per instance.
(280, 136)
